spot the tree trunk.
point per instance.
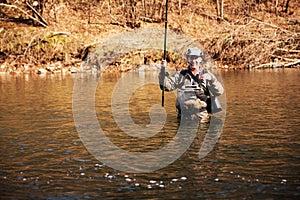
(220, 9)
(287, 6)
(179, 7)
(276, 7)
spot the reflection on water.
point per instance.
(256, 157)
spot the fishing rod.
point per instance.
(163, 70)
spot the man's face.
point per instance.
(194, 62)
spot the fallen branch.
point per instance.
(151, 20)
(213, 17)
(289, 50)
(116, 21)
(29, 45)
(16, 7)
(271, 25)
(278, 65)
(58, 33)
(269, 65)
(37, 13)
(283, 58)
(297, 62)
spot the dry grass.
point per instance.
(250, 35)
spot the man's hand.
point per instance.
(208, 77)
(161, 75)
(164, 63)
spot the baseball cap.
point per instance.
(194, 52)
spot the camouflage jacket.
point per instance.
(185, 78)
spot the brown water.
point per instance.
(256, 157)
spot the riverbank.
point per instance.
(248, 36)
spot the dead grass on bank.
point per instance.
(256, 40)
(245, 43)
(252, 43)
(253, 40)
(60, 47)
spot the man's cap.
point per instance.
(194, 52)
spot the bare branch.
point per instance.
(289, 50)
(271, 25)
(59, 33)
(37, 13)
(297, 62)
(29, 45)
(16, 7)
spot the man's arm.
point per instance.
(214, 85)
(171, 82)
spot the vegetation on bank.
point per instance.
(56, 35)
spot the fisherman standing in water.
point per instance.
(197, 88)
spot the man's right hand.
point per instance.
(163, 63)
(162, 73)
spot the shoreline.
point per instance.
(58, 68)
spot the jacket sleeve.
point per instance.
(171, 83)
(214, 86)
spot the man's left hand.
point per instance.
(208, 77)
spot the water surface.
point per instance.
(256, 157)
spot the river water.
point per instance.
(44, 157)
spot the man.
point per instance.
(196, 87)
